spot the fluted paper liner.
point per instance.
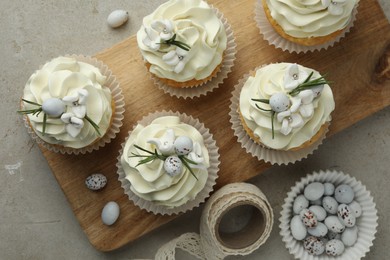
(216, 80)
(117, 114)
(212, 148)
(273, 38)
(367, 223)
(261, 152)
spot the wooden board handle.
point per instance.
(382, 69)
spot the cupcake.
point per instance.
(309, 23)
(168, 163)
(70, 103)
(283, 107)
(183, 43)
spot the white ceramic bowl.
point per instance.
(367, 222)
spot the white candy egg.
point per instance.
(110, 213)
(279, 102)
(308, 218)
(318, 231)
(334, 247)
(329, 189)
(173, 165)
(53, 107)
(96, 181)
(355, 208)
(319, 211)
(330, 204)
(344, 194)
(349, 236)
(313, 245)
(300, 203)
(334, 224)
(314, 191)
(298, 229)
(346, 216)
(117, 18)
(183, 145)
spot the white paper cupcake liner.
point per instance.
(367, 223)
(203, 88)
(117, 115)
(261, 152)
(278, 41)
(212, 148)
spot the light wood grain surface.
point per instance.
(349, 64)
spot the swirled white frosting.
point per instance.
(310, 18)
(65, 76)
(268, 80)
(195, 24)
(150, 181)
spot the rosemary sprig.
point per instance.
(266, 101)
(155, 155)
(179, 44)
(35, 112)
(308, 84)
(94, 125)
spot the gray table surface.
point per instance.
(36, 221)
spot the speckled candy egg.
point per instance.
(344, 194)
(314, 191)
(313, 245)
(53, 107)
(117, 18)
(330, 204)
(308, 218)
(279, 102)
(318, 231)
(298, 229)
(355, 208)
(334, 247)
(96, 181)
(110, 213)
(183, 145)
(173, 165)
(346, 216)
(300, 203)
(329, 189)
(318, 211)
(334, 224)
(349, 236)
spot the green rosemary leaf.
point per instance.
(308, 78)
(188, 167)
(187, 160)
(272, 124)
(266, 110)
(94, 125)
(44, 123)
(142, 149)
(29, 111)
(31, 102)
(265, 101)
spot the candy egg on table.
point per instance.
(300, 203)
(117, 18)
(329, 189)
(314, 191)
(110, 213)
(313, 245)
(173, 165)
(355, 208)
(298, 229)
(344, 194)
(346, 216)
(330, 204)
(318, 231)
(334, 224)
(334, 247)
(308, 218)
(183, 145)
(318, 211)
(349, 236)
(96, 181)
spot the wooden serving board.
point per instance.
(349, 64)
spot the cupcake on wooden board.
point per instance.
(183, 43)
(72, 105)
(284, 109)
(168, 164)
(312, 22)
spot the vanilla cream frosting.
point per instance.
(311, 18)
(194, 23)
(311, 115)
(62, 78)
(150, 181)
